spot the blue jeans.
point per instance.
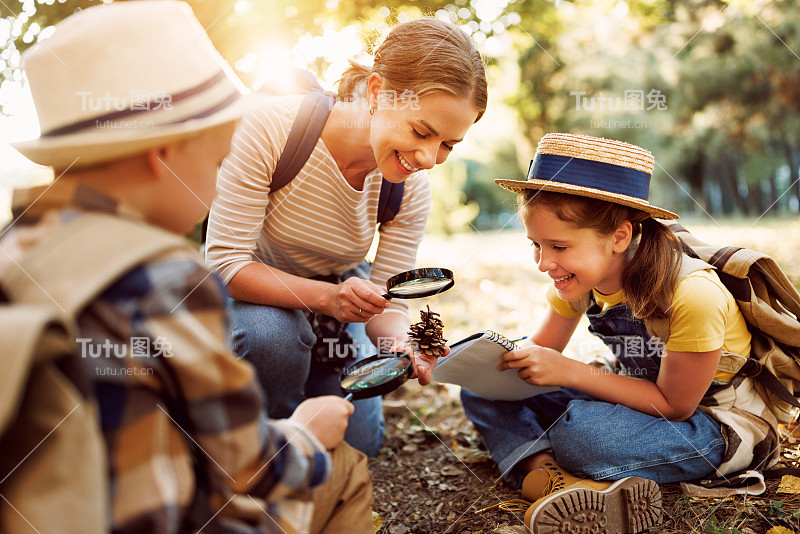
(595, 439)
(278, 341)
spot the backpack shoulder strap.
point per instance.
(765, 295)
(390, 200)
(659, 327)
(303, 137)
(29, 333)
(80, 259)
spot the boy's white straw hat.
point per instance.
(592, 167)
(117, 79)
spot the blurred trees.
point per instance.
(22, 24)
(726, 76)
(711, 87)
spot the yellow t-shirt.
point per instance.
(703, 316)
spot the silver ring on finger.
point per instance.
(359, 312)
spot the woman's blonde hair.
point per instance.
(423, 56)
(650, 277)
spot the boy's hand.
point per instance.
(355, 301)
(538, 366)
(325, 417)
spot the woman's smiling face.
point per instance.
(408, 135)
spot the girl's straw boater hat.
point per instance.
(592, 167)
(115, 80)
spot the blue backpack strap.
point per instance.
(303, 137)
(390, 200)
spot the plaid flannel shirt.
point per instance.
(154, 346)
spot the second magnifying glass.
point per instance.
(417, 283)
(376, 375)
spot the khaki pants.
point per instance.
(343, 504)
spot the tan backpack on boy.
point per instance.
(53, 474)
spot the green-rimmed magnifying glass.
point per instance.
(376, 375)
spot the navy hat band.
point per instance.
(592, 174)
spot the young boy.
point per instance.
(137, 110)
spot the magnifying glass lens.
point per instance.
(416, 283)
(419, 285)
(377, 375)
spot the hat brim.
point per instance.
(518, 186)
(106, 144)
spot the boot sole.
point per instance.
(631, 505)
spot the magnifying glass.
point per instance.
(376, 375)
(417, 283)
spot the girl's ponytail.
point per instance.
(650, 278)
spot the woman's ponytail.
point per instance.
(420, 57)
(353, 82)
(650, 278)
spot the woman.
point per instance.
(293, 259)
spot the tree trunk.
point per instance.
(772, 193)
(695, 175)
(756, 199)
(720, 174)
(730, 185)
(794, 184)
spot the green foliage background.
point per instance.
(720, 80)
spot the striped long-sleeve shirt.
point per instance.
(177, 309)
(318, 224)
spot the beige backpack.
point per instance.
(771, 308)
(53, 474)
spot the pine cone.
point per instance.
(428, 333)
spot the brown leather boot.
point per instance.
(551, 477)
(571, 504)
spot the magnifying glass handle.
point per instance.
(349, 397)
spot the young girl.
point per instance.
(674, 410)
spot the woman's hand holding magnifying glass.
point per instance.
(355, 301)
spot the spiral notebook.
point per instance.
(472, 364)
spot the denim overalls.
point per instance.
(596, 439)
(637, 354)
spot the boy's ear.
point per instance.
(374, 86)
(622, 237)
(156, 159)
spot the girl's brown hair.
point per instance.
(423, 56)
(650, 277)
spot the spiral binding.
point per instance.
(500, 340)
